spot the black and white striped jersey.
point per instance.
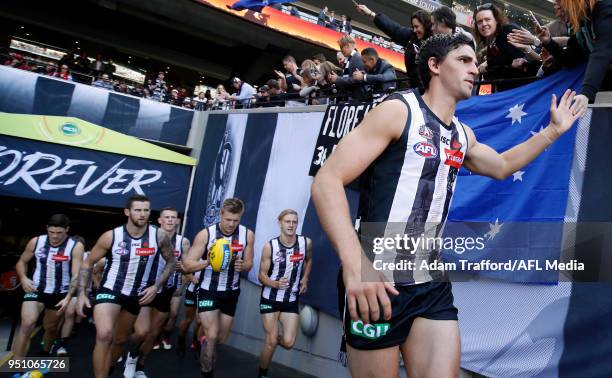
(130, 261)
(229, 279)
(53, 265)
(408, 188)
(286, 262)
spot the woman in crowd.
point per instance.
(491, 30)
(411, 38)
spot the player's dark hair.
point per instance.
(136, 198)
(58, 220)
(438, 47)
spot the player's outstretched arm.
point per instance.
(381, 127)
(483, 160)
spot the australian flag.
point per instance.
(522, 217)
(255, 5)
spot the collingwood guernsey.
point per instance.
(287, 262)
(228, 279)
(130, 261)
(53, 265)
(408, 188)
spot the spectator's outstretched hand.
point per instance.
(279, 74)
(364, 10)
(521, 36)
(543, 33)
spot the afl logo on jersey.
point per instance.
(426, 150)
(42, 252)
(122, 250)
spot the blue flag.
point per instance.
(520, 218)
(256, 5)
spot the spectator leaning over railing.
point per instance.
(411, 39)
(245, 93)
(379, 74)
(591, 22)
(64, 73)
(353, 62)
(491, 29)
(103, 82)
(222, 99)
(158, 88)
(200, 102)
(291, 80)
(50, 69)
(444, 21)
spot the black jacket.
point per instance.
(593, 43)
(405, 37)
(500, 54)
(380, 76)
(347, 83)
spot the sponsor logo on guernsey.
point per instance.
(426, 150)
(265, 307)
(454, 158)
(145, 251)
(60, 257)
(425, 132)
(237, 247)
(206, 303)
(104, 296)
(296, 256)
(369, 331)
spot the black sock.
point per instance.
(111, 370)
(262, 372)
(207, 374)
(166, 334)
(44, 353)
(135, 350)
(62, 342)
(140, 365)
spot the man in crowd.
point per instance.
(103, 82)
(352, 63)
(244, 94)
(378, 72)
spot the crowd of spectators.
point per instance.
(509, 55)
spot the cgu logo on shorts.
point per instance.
(369, 331)
(426, 150)
(145, 251)
(30, 295)
(265, 307)
(104, 296)
(206, 303)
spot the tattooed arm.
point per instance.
(167, 251)
(103, 245)
(75, 260)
